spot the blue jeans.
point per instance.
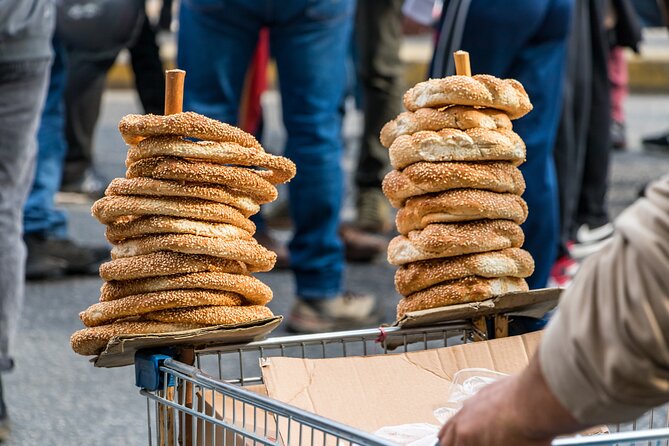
(40, 215)
(526, 40)
(309, 40)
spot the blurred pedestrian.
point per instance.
(583, 146)
(26, 27)
(378, 35)
(92, 42)
(309, 40)
(523, 40)
(605, 356)
(50, 252)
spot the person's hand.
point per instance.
(490, 418)
(519, 410)
(410, 27)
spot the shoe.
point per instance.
(618, 135)
(562, 272)
(373, 211)
(658, 143)
(585, 234)
(269, 242)
(360, 245)
(4, 418)
(51, 257)
(89, 184)
(590, 240)
(347, 311)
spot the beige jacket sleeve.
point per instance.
(606, 353)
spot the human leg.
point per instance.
(148, 70)
(592, 204)
(40, 216)
(215, 49)
(533, 54)
(86, 76)
(50, 252)
(378, 32)
(310, 51)
(310, 44)
(22, 90)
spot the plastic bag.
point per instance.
(417, 434)
(466, 383)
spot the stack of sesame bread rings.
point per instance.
(183, 248)
(458, 189)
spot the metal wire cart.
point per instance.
(213, 403)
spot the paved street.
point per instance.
(56, 398)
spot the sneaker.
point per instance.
(590, 240)
(269, 242)
(90, 184)
(618, 136)
(52, 257)
(563, 272)
(586, 234)
(373, 211)
(4, 418)
(361, 245)
(659, 143)
(347, 311)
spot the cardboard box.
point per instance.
(376, 391)
(121, 350)
(367, 393)
(213, 404)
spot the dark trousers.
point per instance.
(526, 40)
(379, 35)
(583, 146)
(83, 94)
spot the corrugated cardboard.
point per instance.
(121, 350)
(376, 391)
(535, 303)
(213, 404)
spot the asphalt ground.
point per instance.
(56, 397)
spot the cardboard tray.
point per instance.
(535, 303)
(120, 350)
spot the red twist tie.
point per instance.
(382, 336)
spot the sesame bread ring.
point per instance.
(251, 289)
(214, 315)
(255, 256)
(457, 145)
(111, 209)
(449, 240)
(456, 117)
(135, 128)
(138, 304)
(91, 341)
(459, 205)
(158, 224)
(277, 168)
(416, 276)
(461, 291)
(241, 179)
(425, 178)
(165, 263)
(162, 188)
(481, 90)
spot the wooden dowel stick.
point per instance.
(174, 91)
(462, 66)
